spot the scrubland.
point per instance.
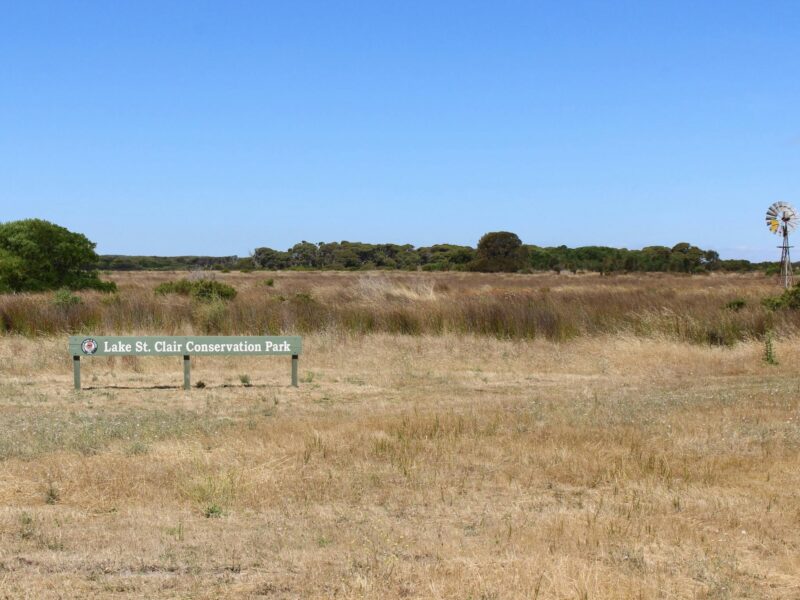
(541, 306)
(625, 453)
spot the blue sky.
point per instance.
(217, 127)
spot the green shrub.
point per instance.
(204, 290)
(63, 298)
(208, 290)
(736, 304)
(182, 287)
(790, 298)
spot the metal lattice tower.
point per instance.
(781, 219)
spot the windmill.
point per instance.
(781, 219)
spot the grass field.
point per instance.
(617, 462)
(714, 309)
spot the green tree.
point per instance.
(272, 260)
(37, 255)
(499, 251)
(304, 255)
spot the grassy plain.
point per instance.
(539, 306)
(624, 463)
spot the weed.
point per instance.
(245, 380)
(769, 349)
(213, 511)
(27, 526)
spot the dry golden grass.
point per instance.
(447, 466)
(540, 306)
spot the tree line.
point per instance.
(38, 255)
(496, 251)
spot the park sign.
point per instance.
(186, 346)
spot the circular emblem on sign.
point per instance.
(89, 346)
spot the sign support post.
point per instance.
(187, 372)
(295, 361)
(76, 371)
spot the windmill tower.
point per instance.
(781, 219)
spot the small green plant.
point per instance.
(736, 304)
(137, 448)
(27, 526)
(270, 282)
(63, 298)
(213, 511)
(176, 531)
(769, 350)
(245, 380)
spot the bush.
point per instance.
(36, 255)
(63, 298)
(790, 298)
(736, 304)
(204, 290)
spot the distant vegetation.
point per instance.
(116, 262)
(488, 257)
(499, 251)
(36, 255)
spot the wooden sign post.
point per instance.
(186, 346)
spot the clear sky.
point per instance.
(217, 127)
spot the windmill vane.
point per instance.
(782, 219)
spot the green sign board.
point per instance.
(186, 346)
